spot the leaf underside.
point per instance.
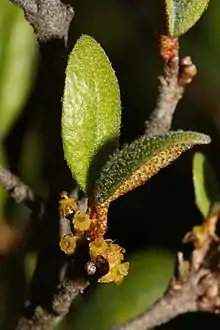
(91, 115)
(138, 162)
(207, 193)
(183, 14)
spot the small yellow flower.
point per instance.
(116, 274)
(67, 206)
(81, 221)
(68, 244)
(97, 247)
(115, 254)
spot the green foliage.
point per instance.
(17, 63)
(183, 14)
(90, 130)
(149, 275)
(91, 114)
(207, 193)
(139, 161)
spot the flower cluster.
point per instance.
(114, 255)
(102, 251)
(79, 223)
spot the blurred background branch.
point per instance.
(48, 287)
(19, 191)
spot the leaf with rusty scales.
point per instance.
(133, 165)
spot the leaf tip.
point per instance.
(181, 15)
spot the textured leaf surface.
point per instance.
(91, 110)
(139, 161)
(183, 14)
(207, 193)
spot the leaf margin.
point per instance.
(205, 184)
(110, 173)
(179, 25)
(111, 130)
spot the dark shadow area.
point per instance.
(98, 161)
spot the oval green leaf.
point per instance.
(91, 114)
(18, 50)
(207, 193)
(138, 162)
(183, 14)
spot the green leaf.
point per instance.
(207, 193)
(91, 114)
(17, 63)
(183, 14)
(138, 162)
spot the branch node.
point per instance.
(50, 19)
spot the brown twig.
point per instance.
(43, 319)
(199, 289)
(169, 95)
(50, 19)
(194, 288)
(175, 302)
(198, 293)
(177, 73)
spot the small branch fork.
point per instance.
(195, 288)
(198, 293)
(178, 300)
(49, 18)
(196, 285)
(19, 191)
(177, 73)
